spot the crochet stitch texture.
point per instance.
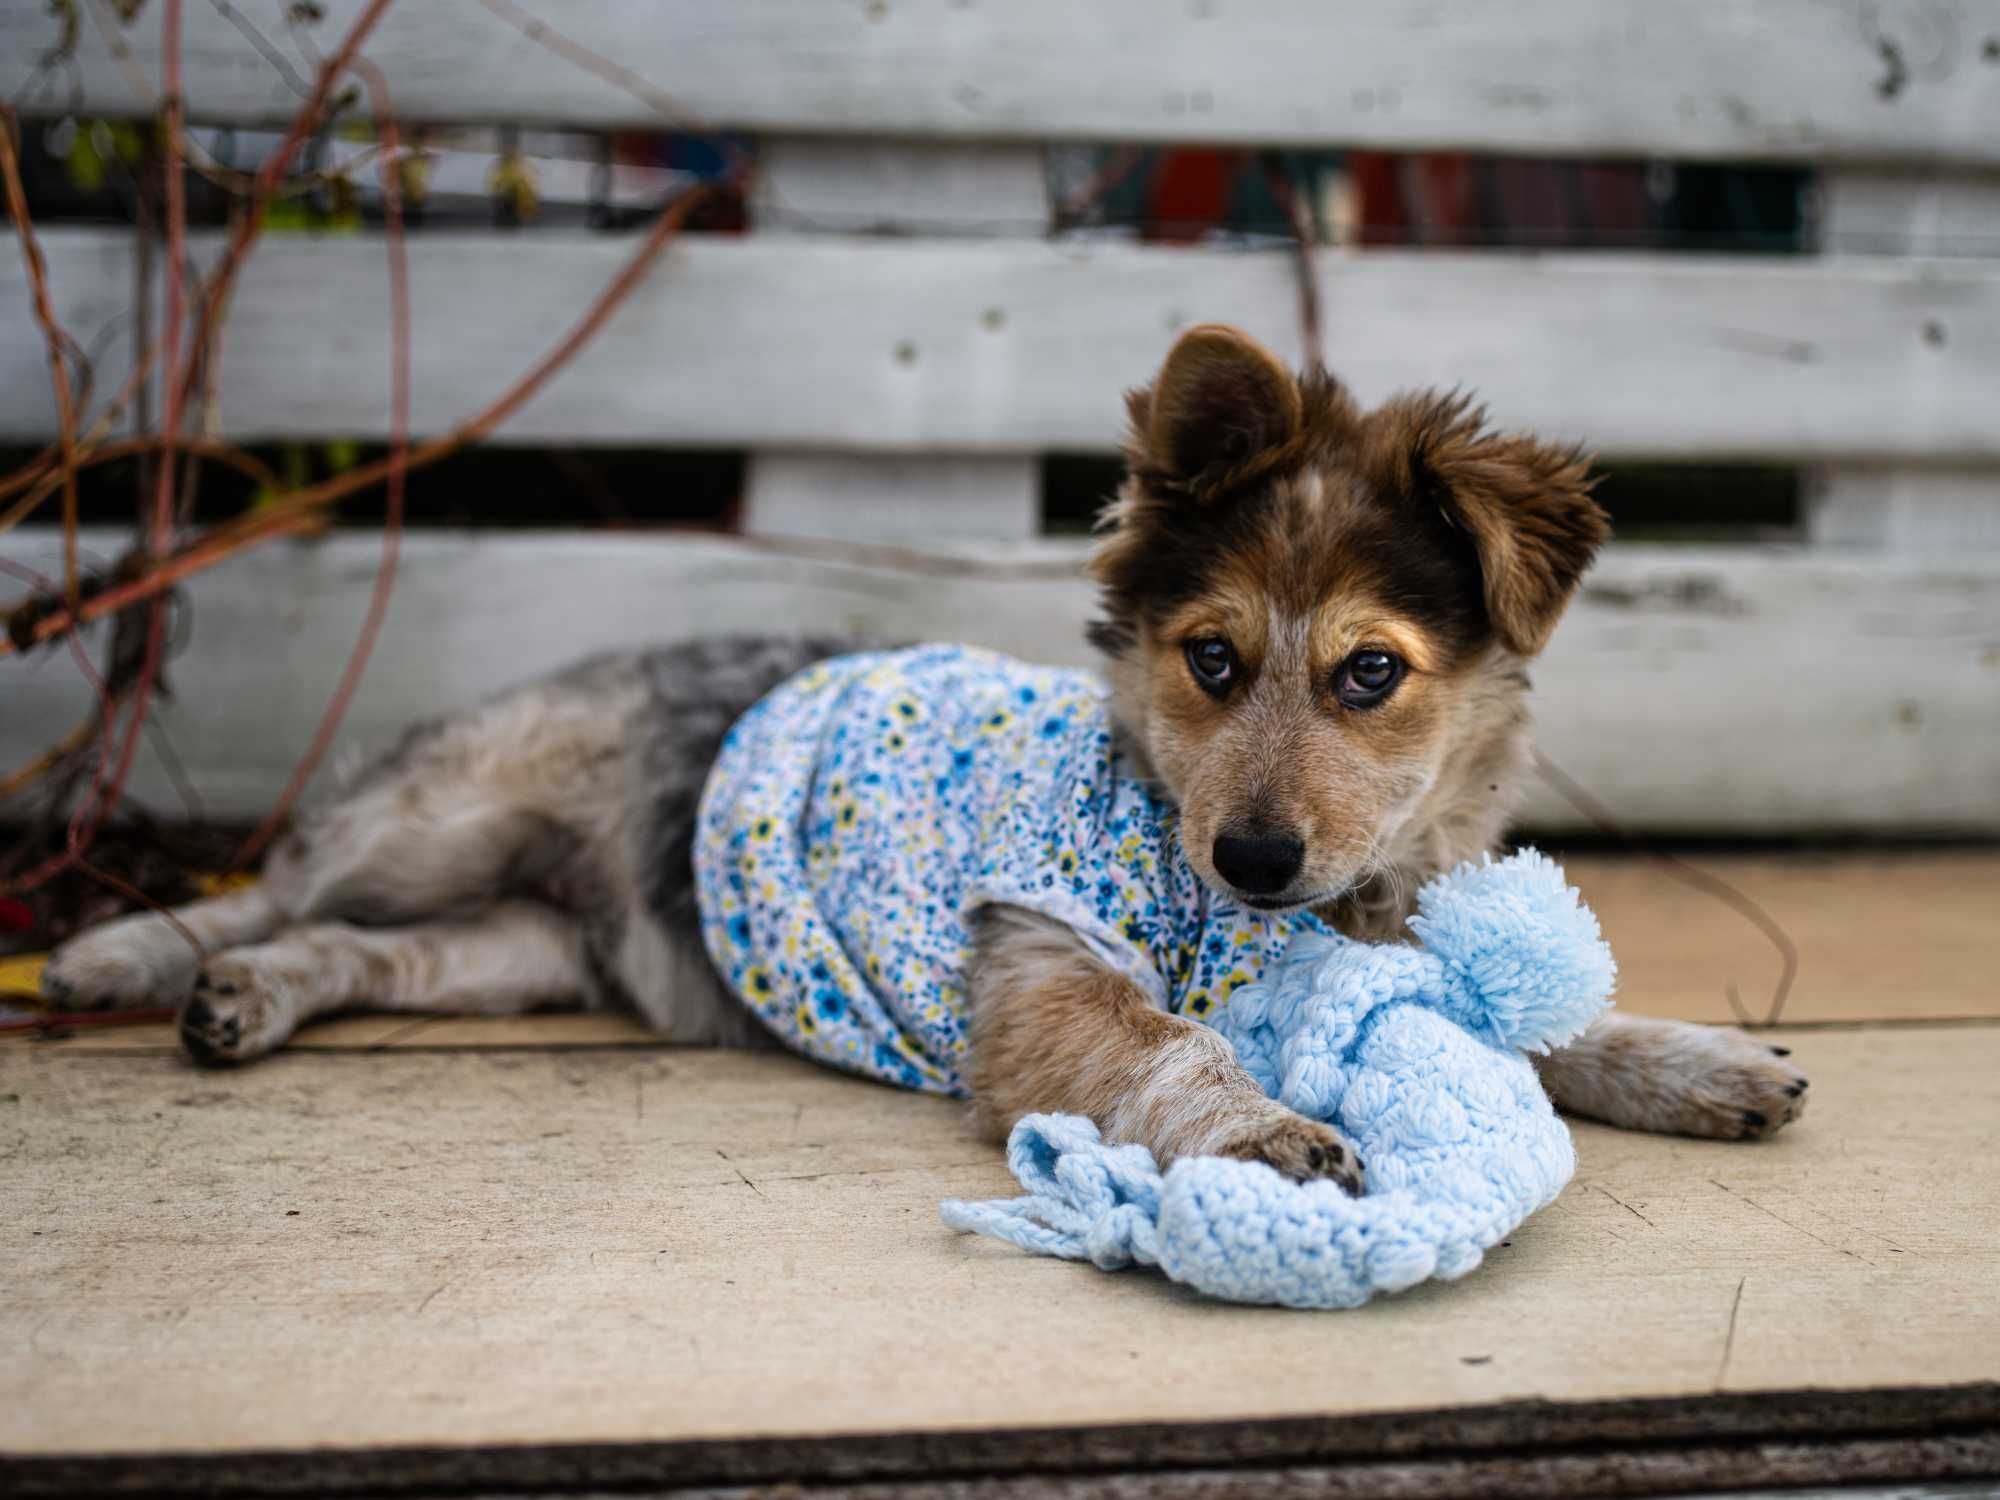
(1415, 1054)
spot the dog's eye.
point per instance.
(1367, 677)
(1213, 662)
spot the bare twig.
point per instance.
(266, 49)
(185, 352)
(70, 744)
(121, 53)
(227, 454)
(107, 789)
(399, 442)
(597, 64)
(1581, 798)
(1304, 234)
(216, 294)
(1094, 189)
(56, 339)
(299, 511)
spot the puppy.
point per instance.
(957, 872)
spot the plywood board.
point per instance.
(1881, 934)
(1024, 346)
(1788, 79)
(344, 1250)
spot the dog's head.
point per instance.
(1313, 611)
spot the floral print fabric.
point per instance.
(861, 814)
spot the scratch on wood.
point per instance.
(1857, 1229)
(942, 1166)
(1729, 1339)
(1800, 1228)
(431, 1298)
(1778, 346)
(1624, 1205)
(1682, 593)
(740, 1173)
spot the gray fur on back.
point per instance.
(695, 692)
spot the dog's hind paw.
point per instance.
(1740, 1088)
(236, 1012)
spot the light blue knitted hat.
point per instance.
(1415, 1054)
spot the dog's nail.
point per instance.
(1755, 1118)
(1782, 1051)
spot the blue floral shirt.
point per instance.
(861, 814)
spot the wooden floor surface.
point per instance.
(524, 1236)
(432, 1247)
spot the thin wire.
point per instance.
(1747, 907)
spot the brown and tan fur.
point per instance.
(535, 849)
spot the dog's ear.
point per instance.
(1219, 413)
(1525, 505)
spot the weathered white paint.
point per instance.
(883, 345)
(1905, 508)
(1690, 689)
(898, 498)
(1921, 507)
(1787, 79)
(809, 186)
(1928, 212)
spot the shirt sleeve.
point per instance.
(1060, 862)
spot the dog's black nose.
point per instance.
(1262, 865)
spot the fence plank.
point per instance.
(1782, 79)
(809, 185)
(1918, 508)
(1922, 507)
(892, 497)
(855, 345)
(1699, 690)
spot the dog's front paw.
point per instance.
(237, 1012)
(128, 964)
(1302, 1149)
(1741, 1089)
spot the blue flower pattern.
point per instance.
(861, 814)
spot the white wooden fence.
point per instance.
(898, 387)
